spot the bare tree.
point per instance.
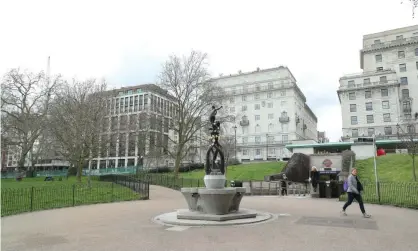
(76, 118)
(187, 79)
(25, 102)
(407, 137)
(414, 4)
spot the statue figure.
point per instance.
(214, 164)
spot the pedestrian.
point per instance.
(284, 185)
(354, 192)
(314, 177)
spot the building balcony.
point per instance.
(264, 144)
(244, 122)
(261, 89)
(284, 119)
(369, 85)
(390, 44)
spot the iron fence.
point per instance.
(51, 195)
(401, 194)
(253, 187)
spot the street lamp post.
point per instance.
(267, 146)
(235, 142)
(375, 168)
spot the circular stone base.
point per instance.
(170, 219)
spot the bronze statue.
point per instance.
(213, 164)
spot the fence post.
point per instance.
(73, 194)
(31, 199)
(198, 181)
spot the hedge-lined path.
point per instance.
(129, 226)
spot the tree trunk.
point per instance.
(79, 170)
(177, 164)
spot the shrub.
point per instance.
(72, 171)
(233, 162)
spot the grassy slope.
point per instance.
(255, 171)
(390, 168)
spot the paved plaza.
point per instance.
(300, 224)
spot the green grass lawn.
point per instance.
(33, 194)
(390, 168)
(253, 171)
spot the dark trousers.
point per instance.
(284, 191)
(351, 197)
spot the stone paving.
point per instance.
(301, 224)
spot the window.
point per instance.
(257, 96)
(270, 85)
(405, 93)
(404, 80)
(257, 152)
(384, 92)
(416, 51)
(386, 117)
(369, 106)
(378, 58)
(402, 67)
(370, 119)
(416, 65)
(366, 81)
(379, 68)
(401, 54)
(406, 105)
(410, 128)
(352, 96)
(257, 117)
(354, 120)
(283, 93)
(244, 98)
(270, 116)
(383, 79)
(377, 41)
(368, 94)
(283, 103)
(370, 132)
(353, 107)
(388, 130)
(285, 138)
(257, 139)
(231, 100)
(385, 104)
(257, 87)
(257, 128)
(354, 132)
(351, 83)
(399, 37)
(271, 127)
(245, 152)
(244, 108)
(270, 139)
(232, 109)
(272, 151)
(256, 106)
(270, 94)
(244, 140)
(270, 105)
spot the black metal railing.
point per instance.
(28, 199)
(400, 194)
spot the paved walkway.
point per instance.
(303, 224)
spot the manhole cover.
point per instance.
(338, 222)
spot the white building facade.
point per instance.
(376, 100)
(270, 112)
(137, 125)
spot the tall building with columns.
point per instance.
(137, 124)
(270, 111)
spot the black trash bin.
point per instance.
(321, 186)
(236, 183)
(328, 189)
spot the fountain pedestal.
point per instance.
(215, 202)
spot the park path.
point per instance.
(302, 224)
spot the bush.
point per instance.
(72, 171)
(159, 170)
(30, 173)
(233, 162)
(191, 167)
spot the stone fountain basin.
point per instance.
(213, 201)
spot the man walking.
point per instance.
(353, 192)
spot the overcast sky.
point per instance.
(127, 41)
